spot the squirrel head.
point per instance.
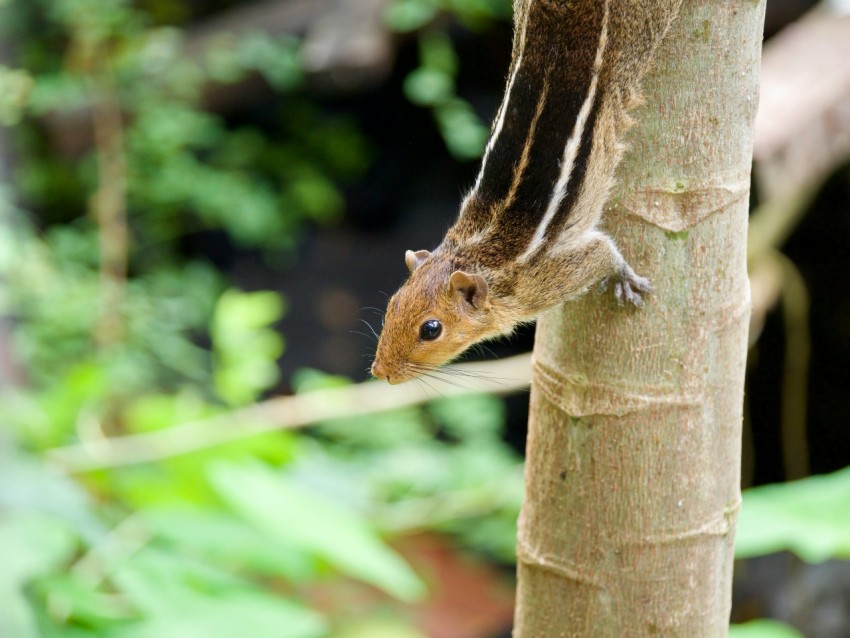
(436, 315)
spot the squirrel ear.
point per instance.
(415, 259)
(472, 287)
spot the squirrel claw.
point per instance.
(628, 287)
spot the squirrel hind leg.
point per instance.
(595, 260)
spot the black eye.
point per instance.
(430, 330)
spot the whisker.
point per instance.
(482, 377)
(449, 374)
(458, 381)
(432, 373)
(473, 374)
(372, 309)
(484, 350)
(369, 325)
(363, 334)
(421, 379)
(451, 382)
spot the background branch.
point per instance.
(494, 377)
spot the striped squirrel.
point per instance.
(526, 238)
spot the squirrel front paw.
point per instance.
(628, 286)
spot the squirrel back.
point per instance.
(526, 238)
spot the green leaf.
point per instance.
(318, 197)
(222, 539)
(428, 87)
(46, 419)
(763, 629)
(33, 545)
(16, 617)
(153, 412)
(81, 602)
(310, 522)
(810, 517)
(222, 61)
(463, 131)
(246, 348)
(310, 379)
(15, 87)
(379, 629)
(405, 428)
(64, 631)
(278, 59)
(247, 613)
(160, 582)
(437, 52)
(34, 492)
(409, 15)
(472, 417)
(239, 311)
(481, 9)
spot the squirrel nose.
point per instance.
(378, 370)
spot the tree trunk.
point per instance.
(633, 460)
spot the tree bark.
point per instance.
(633, 458)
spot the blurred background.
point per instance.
(203, 207)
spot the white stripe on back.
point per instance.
(571, 149)
(502, 111)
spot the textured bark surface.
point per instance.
(632, 471)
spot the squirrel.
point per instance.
(527, 236)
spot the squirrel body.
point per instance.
(526, 238)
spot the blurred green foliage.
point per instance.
(412, 15)
(432, 84)
(238, 538)
(763, 629)
(809, 517)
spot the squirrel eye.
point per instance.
(430, 330)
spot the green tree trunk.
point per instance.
(633, 461)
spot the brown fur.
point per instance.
(429, 294)
(559, 46)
